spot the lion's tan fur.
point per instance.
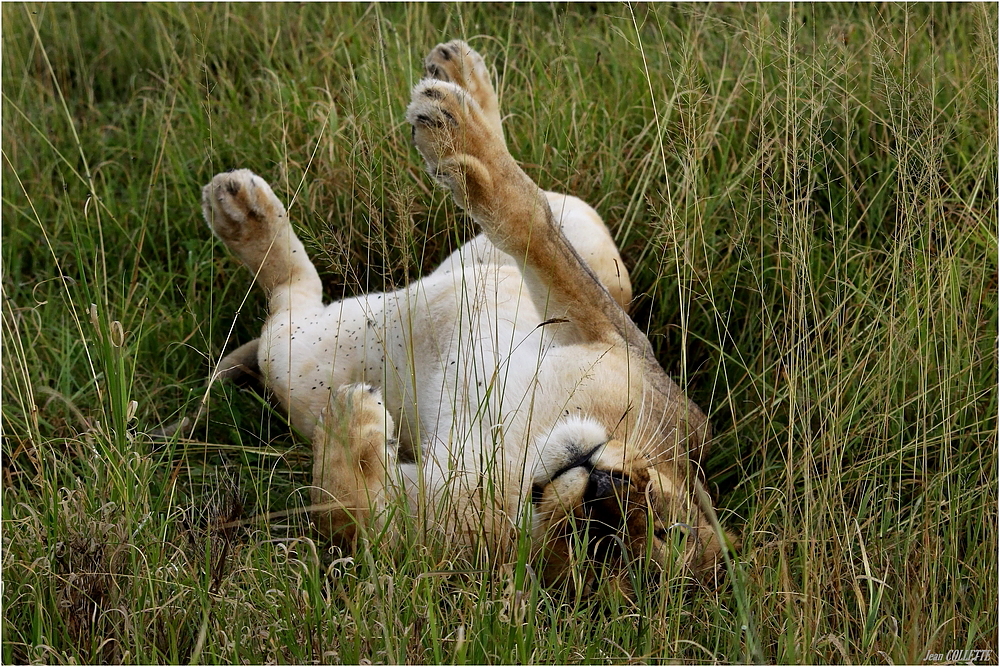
(513, 360)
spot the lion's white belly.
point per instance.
(465, 368)
(475, 352)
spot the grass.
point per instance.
(806, 196)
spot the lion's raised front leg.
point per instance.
(457, 62)
(461, 149)
(242, 210)
(354, 452)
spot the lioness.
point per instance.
(507, 389)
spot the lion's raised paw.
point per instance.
(240, 206)
(450, 131)
(457, 62)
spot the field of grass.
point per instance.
(806, 196)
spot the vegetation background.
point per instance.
(806, 196)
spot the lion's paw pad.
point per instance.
(446, 121)
(239, 205)
(458, 63)
(438, 105)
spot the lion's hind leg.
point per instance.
(589, 236)
(354, 452)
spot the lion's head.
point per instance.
(613, 502)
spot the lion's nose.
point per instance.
(604, 484)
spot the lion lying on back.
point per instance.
(507, 390)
